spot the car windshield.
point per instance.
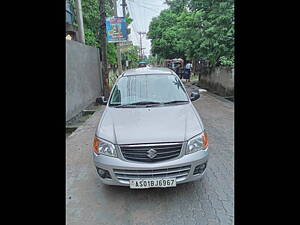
(148, 89)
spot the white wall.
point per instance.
(83, 77)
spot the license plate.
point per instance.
(149, 183)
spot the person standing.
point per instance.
(177, 68)
(188, 68)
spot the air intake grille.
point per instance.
(151, 153)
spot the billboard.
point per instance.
(116, 29)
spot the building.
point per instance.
(71, 28)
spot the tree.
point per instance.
(166, 36)
(195, 29)
(132, 55)
(214, 36)
(177, 6)
(91, 21)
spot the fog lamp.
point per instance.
(103, 173)
(200, 168)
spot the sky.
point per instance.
(142, 12)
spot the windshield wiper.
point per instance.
(138, 103)
(145, 103)
(177, 101)
(125, 105)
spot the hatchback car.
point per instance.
(150, 134)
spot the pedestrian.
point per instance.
(177, 69)
(188, 68)
(169, 65)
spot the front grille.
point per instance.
(141, 152)
(180, 173)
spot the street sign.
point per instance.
(116, 29)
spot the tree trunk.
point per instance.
(103, 44)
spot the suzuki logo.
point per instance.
(151, 153)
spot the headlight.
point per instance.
(104, 147)
(197, 143)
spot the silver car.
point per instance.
(150, 134)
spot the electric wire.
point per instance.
(134, 30)
(138, 12)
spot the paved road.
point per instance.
(210, 201)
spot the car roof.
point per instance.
(149, 71)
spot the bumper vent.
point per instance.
(180, 173)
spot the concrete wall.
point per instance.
(83, 77)
(220, 81)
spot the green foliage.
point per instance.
(166, 36)
(128, 19)
(152, 60)
(195, 29)
(112, 53)
(177, 6)
(91, 21)
(227, 61)
(90, 38)
(132, 56)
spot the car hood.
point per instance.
(174, 123)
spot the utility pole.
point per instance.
(103, 44)
(80, 21)
(118, 44)
(124, 15)
(123, 7)
(141, 45)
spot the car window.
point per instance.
(152, 88)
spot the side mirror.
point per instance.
(194, 96)
(101, 100)
(202, 90)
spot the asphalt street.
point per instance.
(209, 201)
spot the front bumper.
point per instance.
(113, 165)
